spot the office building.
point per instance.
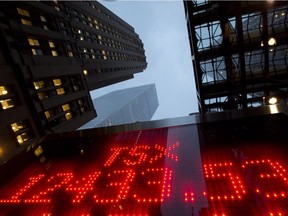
(51, 55)
(239, 53)
(125, 106)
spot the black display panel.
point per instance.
(223, 168)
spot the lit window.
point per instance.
(60, 91)
(38, 151)
(23, 12)
(48, 114)
(37, 52)
(57, 82)
(81, 38)
(33, 42)
(99, 37)
(26, 22)
(85, 72)
(43, 19)
(39, 84)
(54, 53)
(22, 138)
(70, 54)
(68, 115)
(42, 95)
(17, 126)
(51, 44)
(84, 50)
(6, 104)
(3, 90)
(65, 107)
(79, 31)
(45, 27)
(57, 8)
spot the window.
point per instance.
(57, 8)
(57, 82)
(85, 72)
(26, 22)
(39, 84)
(54, 53)
(3, 90)
(49, 114)
(22, 138)
(23, 12)
(17, 126)
(43, 19)
(42, 95)
(65, 107)
(6, 104)
(70, 54)
(38, 151)
(33, 42)
(68, 115)
(60, 91)
(51, 44)
(37, 52)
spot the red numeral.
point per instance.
(158, 183)
(120, 179)
(82, 187)
(15, 198)
(218, 173)
(61, 179)
(273, 181)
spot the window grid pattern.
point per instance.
(239, 75)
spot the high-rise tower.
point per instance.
(125, 106)
(51, 55)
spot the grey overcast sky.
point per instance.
(162, 27)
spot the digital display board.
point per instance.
(166, 171)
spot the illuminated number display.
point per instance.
(151, 173)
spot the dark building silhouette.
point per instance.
(51, 55)
(125, 106)
(239, 53)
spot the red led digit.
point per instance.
(216, 174)
(165, 152)
(117, 187)
(83, 186)
(16, 198)
(158, 182)
(138, 153)
(52, 183)
(273, 178)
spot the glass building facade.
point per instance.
(239, 52)
(125, 106)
